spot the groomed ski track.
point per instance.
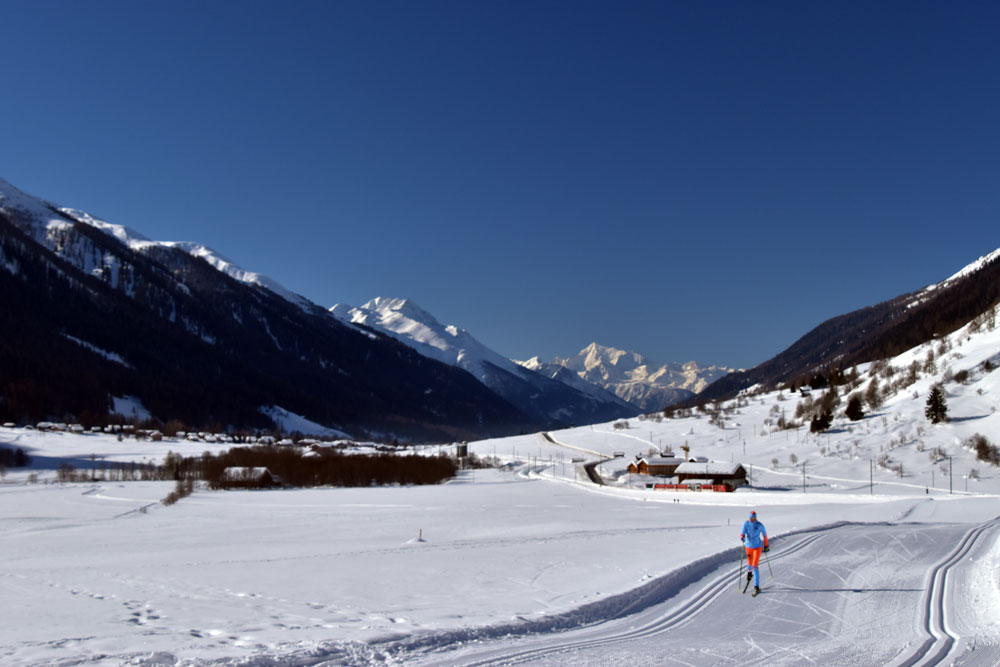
(844, 594)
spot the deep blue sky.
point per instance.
(690, 180)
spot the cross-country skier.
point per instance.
(754, 537)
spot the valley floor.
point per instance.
(103, 574)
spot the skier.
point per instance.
(754, 538)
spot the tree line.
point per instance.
(288, 466)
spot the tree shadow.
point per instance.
(968, 419)
(39, 462)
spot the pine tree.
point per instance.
(854, 410)
(937, 406)
(821, 422)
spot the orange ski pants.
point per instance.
(753, 557)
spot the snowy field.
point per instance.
(533, 564)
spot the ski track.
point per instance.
(670, 586)
(941, 642)
(600, 619)
(659, 607)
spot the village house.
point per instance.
(657, 466)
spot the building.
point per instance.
(658, 466)
(711, 473)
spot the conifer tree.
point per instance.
(854, 410)
(937, 405)
(821, 422)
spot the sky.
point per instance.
(691, 181)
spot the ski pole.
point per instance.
(769, 565)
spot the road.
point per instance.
(849, 594)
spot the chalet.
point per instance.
(711, 473)
(658, 466)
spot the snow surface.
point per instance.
(290, 422)
(130, 407)
(110, 356)
(533, 564)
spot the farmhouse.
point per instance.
(659, 466)
(713, 473)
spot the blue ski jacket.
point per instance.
(755, 534)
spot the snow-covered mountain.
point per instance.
(50, 225)
(875, 332)
(631, 377)
(549, 397)
(95, 311)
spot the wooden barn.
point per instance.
(658, 466)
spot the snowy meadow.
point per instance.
(884, 547)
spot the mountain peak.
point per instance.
(631, 377)
(524, 385)
(596, 355)
(532, 364)
(406, 321)
(390, 306)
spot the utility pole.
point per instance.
(803, 477)
(949, 477)
(871, 477)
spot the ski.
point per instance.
(747, 585)
(756, 592)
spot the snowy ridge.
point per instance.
(566, 376)
(966, 271)
(633, 378)
(531, 391)
(49, 225)
(42, 214)
(405, 321)
(126, 235)
(230, 268)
